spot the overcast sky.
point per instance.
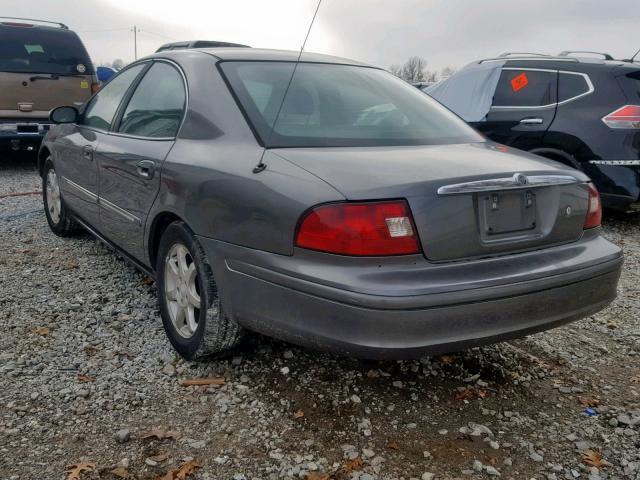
(380, 32)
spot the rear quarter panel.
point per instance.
(207, 178)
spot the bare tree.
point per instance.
(396, 70)
(447, 72)
(117, 64)
(414, 70)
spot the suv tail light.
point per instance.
(95, 88)
(627, 117)
(360, 229)
(594, 212)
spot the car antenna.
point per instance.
(632, 59)
(261, 165)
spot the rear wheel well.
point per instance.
(43, 154)
(558, 156)
(159, 225)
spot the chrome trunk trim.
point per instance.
(516, 181)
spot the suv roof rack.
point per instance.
(567, 53)
(61, 25)
(523, 54)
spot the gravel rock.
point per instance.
(105, 364)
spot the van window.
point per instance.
(156, 107)
(39, 50)
(571, 86)
(102, 108)
(525, 88)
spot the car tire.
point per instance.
(192, 313)
(55, 210)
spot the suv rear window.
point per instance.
(39, 50)
(525, 88)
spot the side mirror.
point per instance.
(64, 115)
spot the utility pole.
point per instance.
(135, 42)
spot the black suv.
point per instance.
(574, 108)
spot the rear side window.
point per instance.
(156, 107)
(102, 108)
(572, 85)
(630, 83)
(525, 88)
(39, 50)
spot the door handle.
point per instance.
(531, 121)
(146, 168)
(87, 152)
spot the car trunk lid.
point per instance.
(467, 200)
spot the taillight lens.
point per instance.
(594, 213)
(627, 117)
(360, 229)
(95, 87)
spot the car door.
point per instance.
(77, 147)
(131, 156)
(523, 107)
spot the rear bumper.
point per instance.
(23, 135)
(450, 318)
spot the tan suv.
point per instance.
(42, 65)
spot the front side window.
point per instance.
(102, 108)
(339, 105)
(526, 88)
(157, 105)
(35, 50)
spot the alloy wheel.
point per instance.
(53, 196)
(181, 290)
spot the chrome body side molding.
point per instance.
(81, 190)
(517, 181)
(120, 211)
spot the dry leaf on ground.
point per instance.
(316, 476)
(159, 434)
(43, 331)
(202, 381)
(182, 472)
(593, 458)
(121, 472)
(74, 471)
(91, 350)
(159, 457)
(353, 465)
(298, 414)
(393, 445)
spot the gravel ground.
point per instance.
(86, 373)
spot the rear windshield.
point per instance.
(36, 50)
(331, 105)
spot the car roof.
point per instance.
(261, 54)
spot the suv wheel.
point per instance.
(191, 310)
(58, 217)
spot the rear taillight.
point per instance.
(594, 212)
(360, 229)
(627, 117)
(95, 88)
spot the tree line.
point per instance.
(415, 70)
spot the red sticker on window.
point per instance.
(519, 82)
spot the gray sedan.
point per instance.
(324, 202)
